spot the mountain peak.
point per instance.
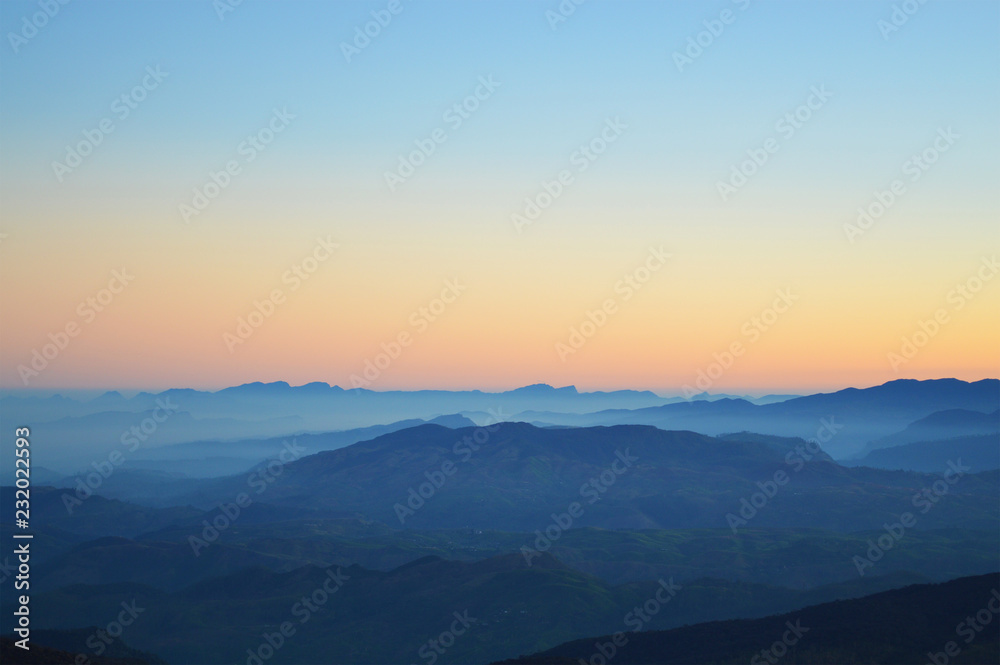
(544, 389)
(258, 387)
(318, 387)
(111, 395)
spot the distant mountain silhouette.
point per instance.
(941, 425)
(543, 534)
(76, 442)
(520, 475)
(766, 399)
(863, 414)
(278, 409)
(81, 432)
(978, 452)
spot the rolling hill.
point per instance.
(627, 477)
(909, 625)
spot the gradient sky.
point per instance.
(654, 186)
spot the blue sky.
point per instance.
(606, 59)
(557, 88)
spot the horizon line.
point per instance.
(678, 392)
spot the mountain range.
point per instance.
(545, 526)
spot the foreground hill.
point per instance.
(799, 559)
(906, 625)
(55, 647)
(363, 616)
(153, 547)
(523, 478)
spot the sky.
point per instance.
(742, 196)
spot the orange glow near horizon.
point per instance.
(857, 298)
(166, 328)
